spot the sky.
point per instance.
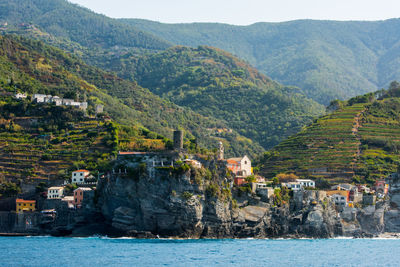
(244, 12)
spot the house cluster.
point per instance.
(84, 192)
(58, 101)
(348, 195)
(84, 180)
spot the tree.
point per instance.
(41, 187)
(251, 179)
(284, 177)
(9, 189)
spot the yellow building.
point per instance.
(25, 205)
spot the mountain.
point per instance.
(326, 59)
(77, 24)
(116, 46)
(216, 84)
(31, 66)
(358, 142)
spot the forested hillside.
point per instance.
(306, 53)
(30, 66)
(359, 142)
(214, 83)
(78, 24)
(327, 59)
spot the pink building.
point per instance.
(381, 187)
(80, 194)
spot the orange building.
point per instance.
(25, 205)
(240, 167)
(79, 195)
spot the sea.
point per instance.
(103, 251)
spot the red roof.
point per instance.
(19, 200)
(81, 171)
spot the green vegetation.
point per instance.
(281, 196)
(216, 84)
(77, 24)
(32, 67)
(44, 141)
(326, 59)
(359, 142)
(9, 189)
(187, 195)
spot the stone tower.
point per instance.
(178, 140)
(220, 151)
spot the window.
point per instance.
(76, 200)
(81, 193)
(74, 174)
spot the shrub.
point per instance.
(187, 195)
(212, 190)
(9, 189)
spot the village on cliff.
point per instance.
(62, 203)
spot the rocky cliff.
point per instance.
(392, 215)
(198, 203)
(143, 198)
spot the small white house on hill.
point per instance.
(79, 176)
(55, 192)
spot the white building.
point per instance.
(99, 108)
(40, 98)
(69, 200)
(67, 102)
(293, 185)
(241, 167)
(299, 184)
(262, 189)
(20, 96)
(83, 105)
(79, 176)
(340, 200)
(346, 187)
(55, 192)
(306, 183)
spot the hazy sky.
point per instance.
(244, 12)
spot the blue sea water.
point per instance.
(97, 251)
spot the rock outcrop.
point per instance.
(163, 203)
(392, 215)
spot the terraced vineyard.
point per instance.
(380, 137)
(328, 147)
(357, 143)
(27, 155)
(53, 140)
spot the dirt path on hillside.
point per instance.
(354, 130)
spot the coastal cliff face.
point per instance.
(188, 205)
(145, 201)
(392, 215)
(164, 203)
